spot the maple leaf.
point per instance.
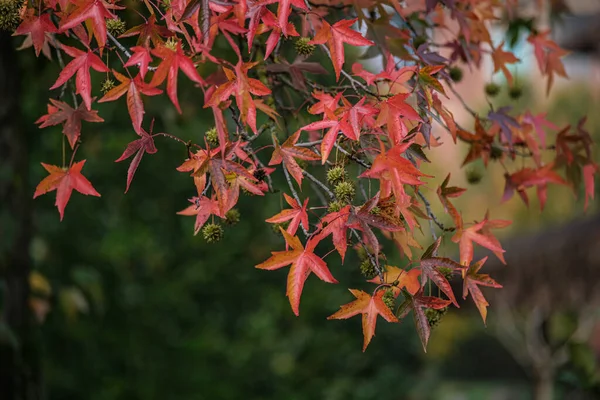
(297, 70)
(145, 144)
(287, 153)
(303, 260)
(430, 267)
(80, 67)
(539, 122)
(64, 180)
(394, 171)
(59, 112)
(172, 61)
(362, 219)
(529, 177)
(297, 214)
(400, 279)
(202, 208)
(471, 285)
(481, 143)
(335, 36)
(94, 11)
(242, 87)
(140, 57)
(37, 27)
(283, 13)
(394, 112)
(370, 308)
(397, 78)
(335, 224)
(148, 32)
(504, 121)
(548, 55)
(444, 192)
(417, 303)
(501, 58)
(466, 236)
(134, 88)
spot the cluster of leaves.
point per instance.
(371, 129)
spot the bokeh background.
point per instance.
(126, 303)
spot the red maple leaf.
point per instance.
(445, 192)
(64, 180)
(287, 153)
(471, 285)
(394, 112)
(202, 208)
(529, 177)
(283, 13)
(417, 303)
(296, 215)
(400, 279)
(242, 88)
(80, 65)
(140, 57)
(59, 112)
(501, 58)
(370, 308)
(172, 61)
(475, 233)
(335, 36)
(481, 143)
(148, 32)
(303, 260)
(37, 27)
(430, 267)
(94, 11)
(548, 55)
(335, 224)
(145, 144)
(134, 88)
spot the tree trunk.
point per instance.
(19, 359)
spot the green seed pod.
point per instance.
(303, 47)
(447, 272)
(212, 136)
(515, 92)
(492, 89)
(232, 216)
(335, 206)
(367, 269)
(435, 316)
(275, 227)
(116, 26)
(10, 15)
(212, 233)
(473, 176)
(344, 191)
(171, 43)
(107, 85)
(336, 175)
(260, 174)
(495, 152)
(389, 299)
(456, 74)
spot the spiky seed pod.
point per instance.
(212, 232)
(473, 176)
(303, 47)
(389, 299)
(335, 206)
(367, 269)
(212, 136)
(492, 89)
(495, 152)
(376, 211)
(171, 43)
(336, 175)
(275, 227)
(232, 216)
(447, 272)
(260, 174)
(456, 74)
(515, 92)
(435, 316)
(10, 14)
(116, 26)
(107, 85)
(344, 191)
